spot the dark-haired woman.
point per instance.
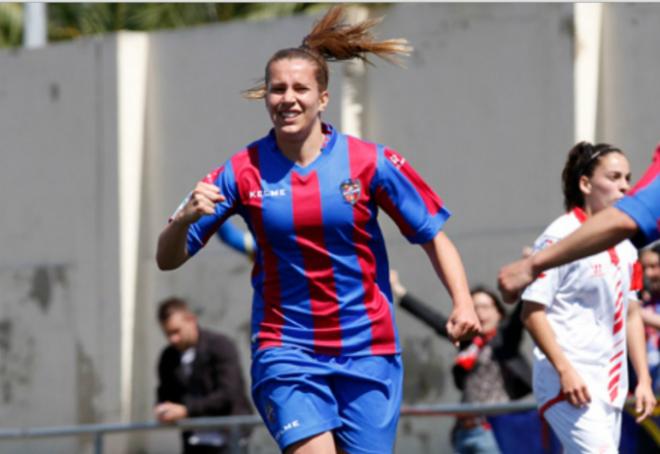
(489, 368)
(584, 316)
(326, 369)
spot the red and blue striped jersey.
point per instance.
(642, 204)
(321, 276)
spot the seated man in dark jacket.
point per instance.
(199, 375)
(488, 368)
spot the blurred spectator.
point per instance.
(488, 369)
(650, 260)
(199, 375)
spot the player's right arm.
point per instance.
(572, 386)
(172, 251)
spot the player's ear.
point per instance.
(585, 184)
(324, 98)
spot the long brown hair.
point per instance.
(331, 39)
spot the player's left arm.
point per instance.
(463, 322)
(644, 399)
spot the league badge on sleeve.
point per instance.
(350, 190)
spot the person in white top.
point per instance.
(585, 318)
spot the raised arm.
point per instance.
(463, 322)
(604, 230)
(512, 331)
(172, 251)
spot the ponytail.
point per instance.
(331, 39)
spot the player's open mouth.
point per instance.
(289, 115)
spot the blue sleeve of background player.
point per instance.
(644, 207)
(237, 239)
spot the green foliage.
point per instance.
(71, 20)
(11, 24)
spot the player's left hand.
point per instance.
(463, 323)
(644, 401)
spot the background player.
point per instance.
(326, 371)
(636, 216)
(580, 318)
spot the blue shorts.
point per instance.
(301, 394)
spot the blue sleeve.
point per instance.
(644, 208)
(236, 238)
(201, 231)
(407, 198)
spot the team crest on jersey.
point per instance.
(397, 160)
(350, 190)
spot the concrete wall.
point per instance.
(629, 91)
(59, 270)
(484, 104)
(102, 138)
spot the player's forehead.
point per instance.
(614, 161)
(291, 69)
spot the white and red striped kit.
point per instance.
(586, 304)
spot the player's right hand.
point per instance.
(513, 278)
(574, 388)
(201, 202)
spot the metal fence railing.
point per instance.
(234, 423)
(97, 431)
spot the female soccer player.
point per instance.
(581, 318)
(326, 369)
(636, 216)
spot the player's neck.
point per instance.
(303, 151)
(589, 211)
